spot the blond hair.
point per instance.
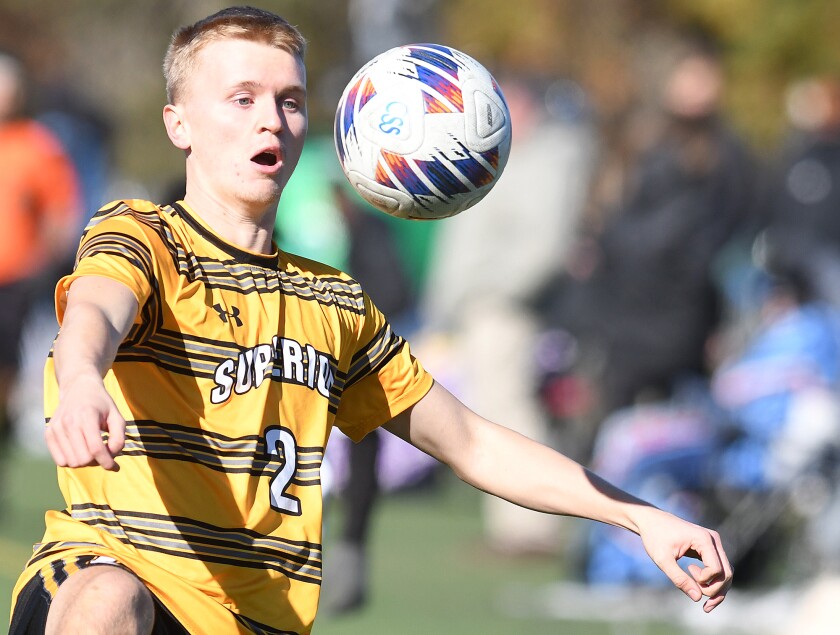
(246, 23)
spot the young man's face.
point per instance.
(244, 121)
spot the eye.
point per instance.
(290, 104)
(243, 101)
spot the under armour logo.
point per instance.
(224, 316)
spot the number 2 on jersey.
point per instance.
(281, 442)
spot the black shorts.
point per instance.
(29, 616)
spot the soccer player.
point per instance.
(198, 372)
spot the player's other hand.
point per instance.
(667, 539)
(74, 434)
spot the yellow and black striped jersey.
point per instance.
(236, 368)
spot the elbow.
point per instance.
(469, 459)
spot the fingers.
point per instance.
(682, 580)
(712, 579)
(98, 449)
(715, 591)
(55, 446)
(715, 577)
(78, 442)
(116, 434)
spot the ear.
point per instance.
(176, 126)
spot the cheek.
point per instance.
(218, 151)
(298, 136)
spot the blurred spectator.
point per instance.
(660, 450)
(781, 437)
(374, 261)
(755, 453)
(377, 25)
(84, 132)
(641, 296)
(779, 390)
(39, 204)
(804, 230)
(489, 264)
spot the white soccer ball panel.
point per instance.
(422, 131)
(487, 121)
(395, 120)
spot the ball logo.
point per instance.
(394, 120)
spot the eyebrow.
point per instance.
(247, 85)
(255, 86)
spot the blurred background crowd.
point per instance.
(653, 287)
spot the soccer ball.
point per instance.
(422, 131)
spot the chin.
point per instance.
(263, 196)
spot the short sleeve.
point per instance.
(383, 380)
(115, 247)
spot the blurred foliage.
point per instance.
(108, 53)
(610, 45)
(768, 44)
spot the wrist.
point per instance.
(640, 515)
(620, 508)
(71, 381)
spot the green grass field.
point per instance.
(429, 572)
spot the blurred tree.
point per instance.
(768, 44)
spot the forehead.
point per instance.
(234, 60)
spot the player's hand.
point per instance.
(667, 539)
(74, 433)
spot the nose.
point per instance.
(271, 118)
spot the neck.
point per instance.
(248, 227)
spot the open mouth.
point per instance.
(267, 158)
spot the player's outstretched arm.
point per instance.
(97, 318)
(502, 462)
